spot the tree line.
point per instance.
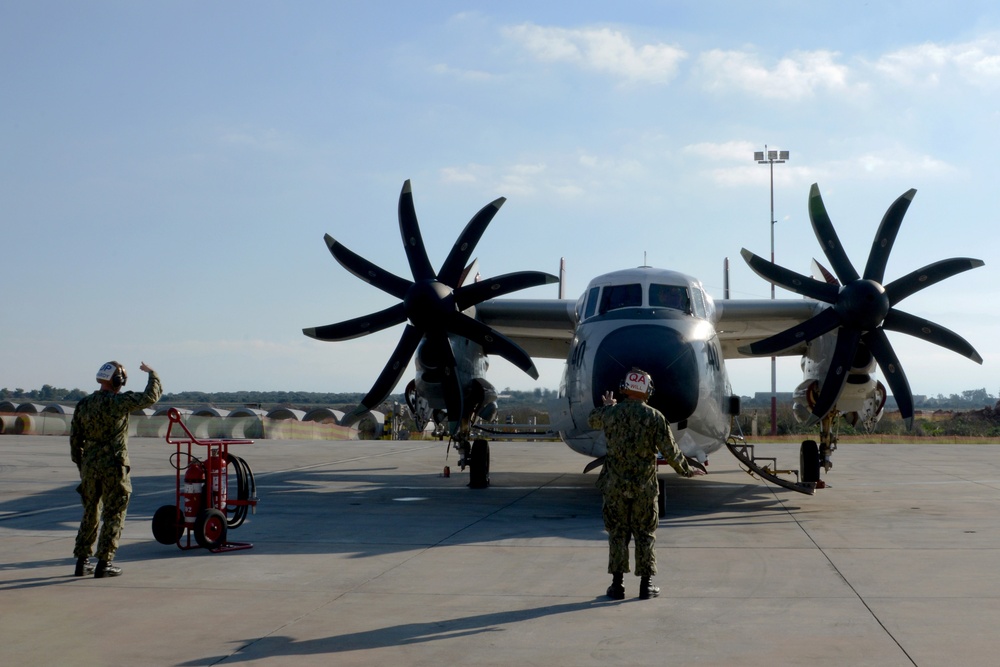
(265, 399)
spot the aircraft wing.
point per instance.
(542, 327)
(545, 327)
(744, 321)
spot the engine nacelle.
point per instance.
(862, 399)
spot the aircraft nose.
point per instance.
(660, 351)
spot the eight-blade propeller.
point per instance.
(863, 309)
(432, 305)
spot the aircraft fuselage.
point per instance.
(659, 321)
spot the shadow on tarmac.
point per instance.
(398, 635)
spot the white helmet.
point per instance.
(638, 382)
(114, 373)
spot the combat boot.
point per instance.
(106, 569)
(616, 591)
(647, 589)
(83, 567)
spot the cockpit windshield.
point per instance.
(670, 296)
(621, 296)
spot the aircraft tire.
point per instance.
(479, 464)
(809, 461)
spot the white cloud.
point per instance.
(522, 179)
(899, 164)
(976, 62)
(799, 75)
(736, 151)
(883, 165)
(600, 49)
(467, 174)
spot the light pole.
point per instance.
(771, 158)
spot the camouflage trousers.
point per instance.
(105, 492)
(626, 518)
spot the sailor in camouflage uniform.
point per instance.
(99, 447)
(635, 432)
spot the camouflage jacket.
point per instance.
(99, 433)
(635, 433)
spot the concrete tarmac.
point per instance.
(364, 554)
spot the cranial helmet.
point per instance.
(638, 383)
(114, 373)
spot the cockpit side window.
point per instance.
(591, 302)
(621, 296)
(669, 296)
(700, 306)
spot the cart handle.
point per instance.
(174, 415)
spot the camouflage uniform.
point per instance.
(99, 447)
(635, 432)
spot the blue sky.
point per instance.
(169, 169)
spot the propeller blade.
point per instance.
(836, 377)
(918, 327)
(394, 368)
(413, 243)
(886, 237)
(359, 326)
(815, 326)
(827, 237)
(492, 342)
(368, 272)
(460, 253)
(491, 288)
(878, 343)
(790, 280)
(903, 287)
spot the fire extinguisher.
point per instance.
(216, 469)
(193, 491)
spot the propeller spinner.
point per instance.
(863, 308)
(432, 305)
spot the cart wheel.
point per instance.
(210, 528)
(168, 524)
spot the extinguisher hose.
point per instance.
(246, 487)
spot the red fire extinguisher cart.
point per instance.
(205, 508)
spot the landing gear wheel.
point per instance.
(479, 465)
(210, 528)
(168, 524)
(809, 461)
(661, 498)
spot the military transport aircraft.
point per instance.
(658, 320)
